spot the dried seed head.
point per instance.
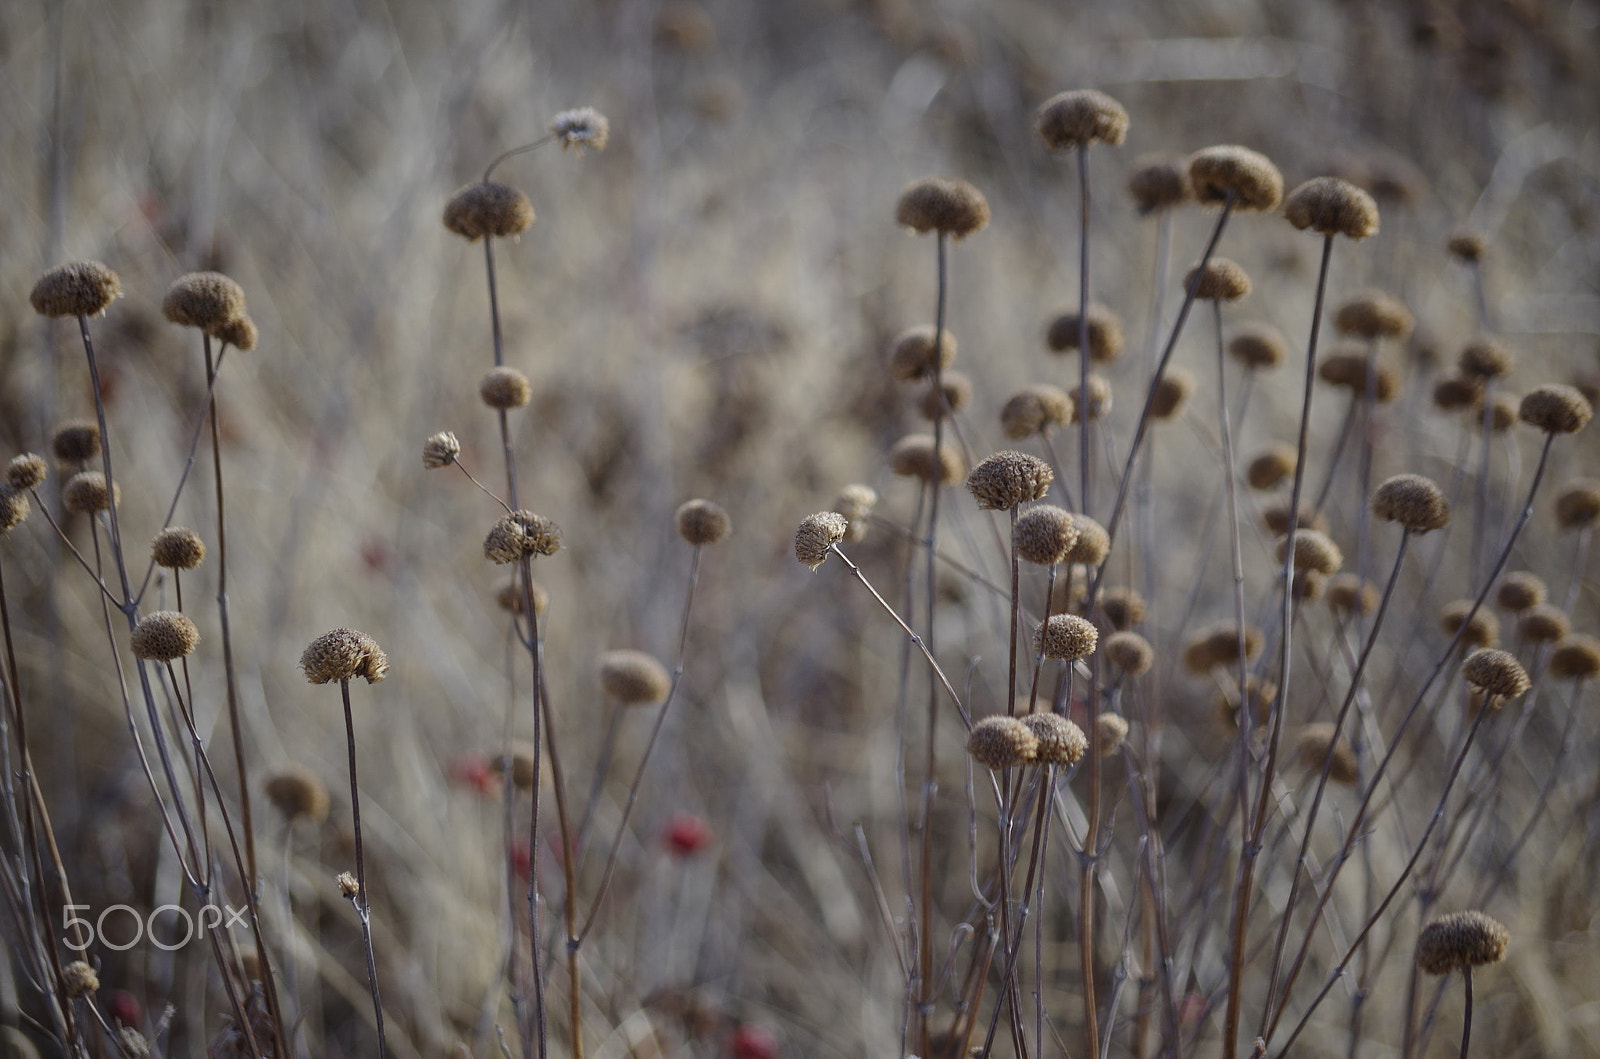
(1575, 658)
(132, 1043)
(1058, 740)
(1079, 118)
(440, 450)
(1070, 593)
(1276, 518)
(855, 502)
(1113, 731)
(1350, 369)
(240, 333)
(1066, 636)
(521, 534)
(1349, 594)
(683, 25)
(1317, 744)
(634, 677)
(1159, 184)
(1483, 630)
(1578, 504)
(1172, 390)
(1503, 410)
(816, 534)
(1124, 607)
(1313, 551)
(81, 288)
(1468, 246)
(1009, 478)
(348, 886)
(76, 443)
(1555, 409)
(177, 548)
(1520, 591)
(1222, 280)
(1307, 586)
(1330, 206)
(1413, 501)
(913, 457)
(912, 355)
(85, 493)
(580, 128)
(956, 389)
(1373, 314)
(1251, 178)
(207, 300)
(505, 388)
(1033, 410)
(1461, 939)
(344, 654)
(1093, 543)
(296, 792)
(1099, 402)
(1271, 466)
(1544, 623)
(703, 522)
(25, 471)
(1129, 652)
(944, 205)
(1260, 694)
(78, 978)
(1044, 535)
(488, 209)
(521, 761)
(1484, 358)
(1258, 347)
(510, 597)
(1456, 392)
(1219, 645)
(1001, 743)
(1105, 333)
(163, 636)
(14, 507)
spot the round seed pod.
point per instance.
(1578, 504)
(913, 457)
(1218, 645)
(1222, 280)
(1258, 347)
(78, 978)
(1575, 658)
(1171, 393)
(164, 636)
(1070, 593)
(520, 760)
(703, 522)
(1484, 358)
(1001, 742)
(1503, 408)
(1260, 694)
(1467, 246)
(81, 288)
(1033, 410)
(1458, 392)
(1330, 206)
(1307, 586)
(440, 450)
(1058, 740)
(1079, 118)
(956, 390)
(944, 205)
(1113, 731)
(76, 443)
(344, 654)
(855, 502)
(1276, 518)
(1349, 594)
(1099, 402)
(912, 355)
(1093, 543)
(1349, 369)
(1271, 466)
(816, 534)
(1544, 623)
(298, 793)
(1129, 652)
(1317, 744)
(1482, 631)
(1313, 551)
(1159, 184)
(581, 127)
(1009, 478)
(1251, 178)
(1373, 314)
(1520, 591)
(207, 300)
(510, 597)
(85, 493)
(26, 471)
(683, 25)
(634, 677)
(1105, 333)
(521, 534)
(14, 508)
(1461, 939)
(177, 548)
(1413, 501)
(1044, 535)
(1124, 607)
(1066, 636)
(1555, 409)
(240, 333)
(488, 209)
(504, 388)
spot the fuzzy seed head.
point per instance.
(581, 127)
(298, 794)
(1308, 586)
(1555, 409)
(164, 636)
(505, 388)
(1159, 184)
(26, 471)
(440, 450)
(1313, 551)
(1349, 594)
(1044, 535)
(240, 333)
(955, 389)
(82, 288)
(1105, 333)
(1009, 478)
(488, 209)
(1545, 623)
(912, 355)
(1219, 645)
(1482, 630)
(1317, 744)
(1066, 636)
(1461, 939)
(1457, 392)
(816, 534)
(521, 761)
(703, 522)
(207, 300)
(1222, 280)
(76, 443)
(1575, 658)
(1124, 607)
(913, 457)
(1171, 393)
(1467, 246)
(1251, 178)
(1034, 410)
(1079, 118)
(634, 678)
(1330, 206)
(1258, 347)
(1129, 652)
(1093, 543)
(1098, 402)
(1113, 731)
(510, 597)
(855, 502)
(1059, 741)
(1520, 591)
(177, 548)
(14, 508)
(1349, 368)
(78, 978)
(344, 654)
(1271, 466)
(1373, 314)
(1276, 518)
(942, 204)
(1578, 504)
(1484, 358)
(521, 534)
(85, 493)
(349, 888)
(1001, 742)
(1413, 501)
(1260, 694)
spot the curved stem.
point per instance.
(361, 901)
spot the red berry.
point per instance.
(687, 834)
(521, 861)
(754, 1042)
(472, 771)
(122, 1007)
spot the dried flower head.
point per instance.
(521, 534)
(207, 300)
(1460, 940)
(1578, 504)
(521, 761)
(1545, 623)
(440, 450)
(1129, 652)
(634, 677)
(14, 507)
(1482, 630)
(1079, 118)
(81, 288)
(1113, 729)
(298, 793)
(240, 333)
(1171, 392)
(344, 654)
(703, 522)
(348, 886)
(1044, 535)
(1001, 742)
(1520, 591)
(177, 548)
(1033, 410)
(509, 596)
(1330, 206)
(953, 395)
(504, 388)
(1251, 179)
(1373, 314)
(1220, 645)
(1058, 740)
(913, 457)
(26, 471)
(1317, 745)
(1105, 333)
(85, 493)
(1484, 358)
(1503, 409)
(1221, 280)
(912, 355)
(1258, 347)
(131, 1043)
(1575, 658)
(1467, 246)
(1555, 408)
(1093, 543)
(1350, 594)
(1259, 693)
(816, 534)
(488, 209)
(76, 443)
(164, 636)
(1355, 371)
(1066, 636)
(1009, 478)
(1413, 501)
(1124, 607)
(1276, 518)
(855, 502)
(1159, 183)
(580, 128)
(1307, 586)
(78, 978)
(942, 204)
(1313, 551)
(1456, 392)
(1098, 402)
(1271, 466)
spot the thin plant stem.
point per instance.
(361, 900)
(1466, 1014)
(1083, 331)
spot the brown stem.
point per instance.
(363, 905)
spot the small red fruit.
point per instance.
(754, 1042)
(687, 834)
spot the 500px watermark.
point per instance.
(179, 925)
